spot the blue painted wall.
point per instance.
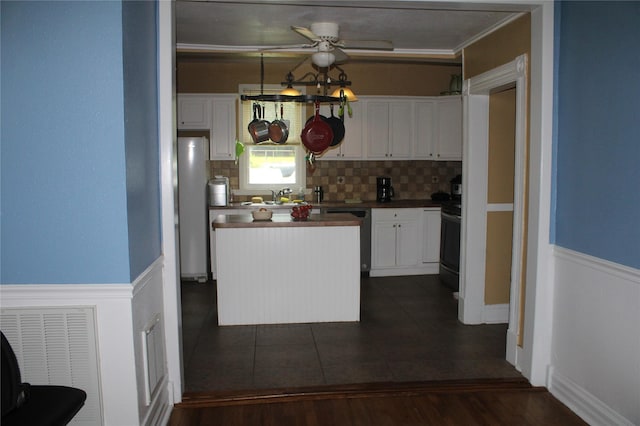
(66, 181)
(597, 206)
(141, 133)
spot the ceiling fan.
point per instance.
(328, 46)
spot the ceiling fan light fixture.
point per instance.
(323, 59)
(348, 93)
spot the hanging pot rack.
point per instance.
(290, 98)
(309, 79)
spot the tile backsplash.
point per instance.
(343, 180)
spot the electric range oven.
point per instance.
(450, 244)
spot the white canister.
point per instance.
(219, 191)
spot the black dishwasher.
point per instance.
(365, 232)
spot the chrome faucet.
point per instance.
(281, 193)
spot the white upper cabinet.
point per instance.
(377, 125)
(438, 128)
(388, 128)
(449, 136)
(381, 127)
(351, 146)
(215, 113)
(223, 129)
(426, 130)
(419, 128)
(194, 112)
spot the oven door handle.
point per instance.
(451, 217)
(449, 269)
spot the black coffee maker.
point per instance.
(384, 189)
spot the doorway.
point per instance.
(494, 200)
(536, 346)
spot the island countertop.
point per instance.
(279, 220)
(371, 204)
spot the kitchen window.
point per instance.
(268, 166)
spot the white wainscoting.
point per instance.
(154, 400)
(57, 346)
(595, 367)
(120, 311)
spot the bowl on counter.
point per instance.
(262, 214)
(301, 212)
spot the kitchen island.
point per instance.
(284, 271)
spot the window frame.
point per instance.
(244, 117)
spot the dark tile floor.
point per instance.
(408, 332)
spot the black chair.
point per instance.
(34, 405)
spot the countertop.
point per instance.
(279, 220)
(395, 204)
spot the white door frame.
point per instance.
(477, 91)
(167, 134)
(536, 351)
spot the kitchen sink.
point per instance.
(271, 204)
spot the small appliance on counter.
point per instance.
(384, 189)
(456, 188)
(318, 194)
(440, 196)
(219, 192)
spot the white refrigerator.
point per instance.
(193, 174)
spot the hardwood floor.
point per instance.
(478, 402)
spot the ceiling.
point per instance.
(417, 29)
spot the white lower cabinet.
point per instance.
(431, 236)
(395, 240)
(404, 241)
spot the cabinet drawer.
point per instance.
(395, 214)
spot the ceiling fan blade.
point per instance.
(306, 33)
(288, 46)
(340, 55)
(366, 44)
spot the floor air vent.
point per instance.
(57, 346)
